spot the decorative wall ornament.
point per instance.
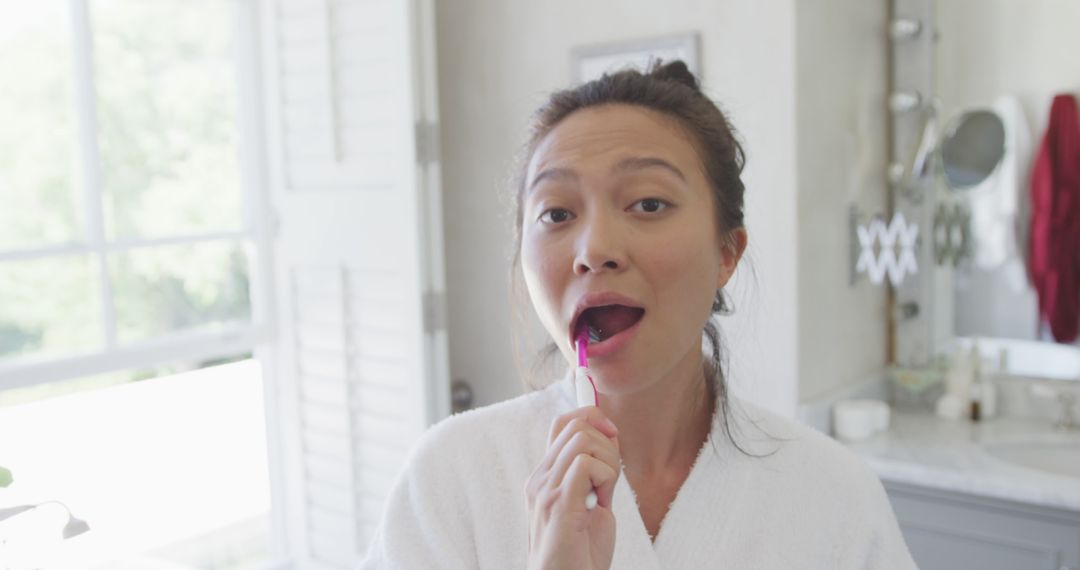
(884, 249)
(951, 234)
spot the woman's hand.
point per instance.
(582, 455)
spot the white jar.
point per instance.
(859, 420)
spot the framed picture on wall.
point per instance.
(590, 62)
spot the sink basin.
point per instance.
(1061, 458)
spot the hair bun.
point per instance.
(674, 70)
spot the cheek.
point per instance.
(539, 265)
(685, 270)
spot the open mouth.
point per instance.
(606, 321)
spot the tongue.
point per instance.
(613, 319)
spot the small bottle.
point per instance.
(976, 411)
(983, 393)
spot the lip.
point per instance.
(599, 299)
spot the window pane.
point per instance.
(49, 306)
(159, 290)
(38, 158)
(165, 78)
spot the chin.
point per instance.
(618, 379)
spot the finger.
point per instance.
(588, 443)
(541, 476)
(604, 424)
(585, 474)
(592, 415)
(575, 425)
(605, 492)
(559, 447)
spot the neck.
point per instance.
(664, 425)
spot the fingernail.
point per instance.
(611, 425)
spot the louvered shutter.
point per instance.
(359, 364)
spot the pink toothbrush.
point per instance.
(583, 382)
(585, 389)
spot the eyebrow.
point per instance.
(626, 165)
(553, 174)
(641, 163)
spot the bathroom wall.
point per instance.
(841, 162)
(498, 59)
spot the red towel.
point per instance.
(1054, 243)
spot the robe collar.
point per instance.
(684, 540)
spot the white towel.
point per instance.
(995, 201)
(807, 502)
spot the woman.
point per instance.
(629, 224)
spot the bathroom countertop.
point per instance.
(922, 449)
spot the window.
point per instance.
(124, 226)
(127, 251)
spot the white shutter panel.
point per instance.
(359, 362)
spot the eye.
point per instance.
(556, 216)
(651, 205)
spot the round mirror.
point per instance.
(972, 148)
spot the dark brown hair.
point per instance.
(669, 88)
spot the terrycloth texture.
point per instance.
(460, 502)
(1054, 254)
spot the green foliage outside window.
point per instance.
(167, 135)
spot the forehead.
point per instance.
(609, 133)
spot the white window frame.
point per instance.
(192, 344)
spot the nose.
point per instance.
(600, 248)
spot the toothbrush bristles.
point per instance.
(594, 335)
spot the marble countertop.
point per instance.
(922, 449)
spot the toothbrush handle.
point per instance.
(583, 386)
(586, 396)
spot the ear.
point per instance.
(731, 251)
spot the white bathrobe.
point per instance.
(809, 503)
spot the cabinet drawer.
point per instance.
(954, 530)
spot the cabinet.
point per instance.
(950, 530)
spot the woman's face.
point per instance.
(617, 211)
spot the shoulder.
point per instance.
(467, 455)
(841, 509)
(471, 460)
(822, 464)
(461, 474)
(493, 429)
